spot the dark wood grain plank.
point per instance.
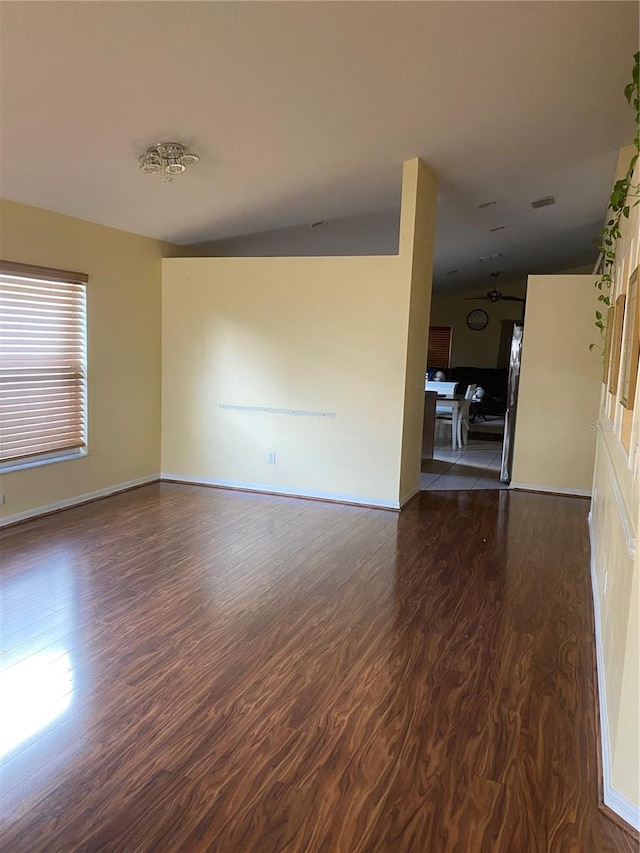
(255, 673)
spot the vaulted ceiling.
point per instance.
(305, 111)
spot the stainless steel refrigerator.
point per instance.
(512, 403)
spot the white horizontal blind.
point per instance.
(42, 363)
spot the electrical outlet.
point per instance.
(271, 458)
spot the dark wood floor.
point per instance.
(202, 670)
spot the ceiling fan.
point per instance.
(495, 295)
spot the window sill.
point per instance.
(48, 459)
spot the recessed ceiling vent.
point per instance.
(543, 202)
(486, 258)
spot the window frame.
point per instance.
(57, 276)
(440, 330)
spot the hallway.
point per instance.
(476, 466)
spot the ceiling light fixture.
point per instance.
(167, 158)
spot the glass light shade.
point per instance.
(150, 166)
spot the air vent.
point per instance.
(543, 202)
(486, 258)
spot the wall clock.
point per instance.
(477, 319)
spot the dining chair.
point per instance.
(463, 417)
(444, 415)
(444, 418)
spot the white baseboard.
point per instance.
(623, 807)
(334, 497)
(555, 490)
(612, 798)
(78, 499)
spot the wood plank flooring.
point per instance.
(189, 669)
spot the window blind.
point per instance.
(439, 352)
(42, 361)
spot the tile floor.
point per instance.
(476, 466)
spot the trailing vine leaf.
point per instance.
(625, 194)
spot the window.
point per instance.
(439, 353)
(42, 365)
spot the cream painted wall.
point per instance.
(615, 522)
(324, 334)
(555, 437)
(123, 319)
(417, 236)
(290, 333)
(614, 560)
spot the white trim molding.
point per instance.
(623, 512)
(77, 500)
(611, 797)
(265, 488)
(333, 497)
(554, 490)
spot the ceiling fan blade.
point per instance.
(474, 298)
(514, 298)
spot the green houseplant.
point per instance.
(624, 195)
